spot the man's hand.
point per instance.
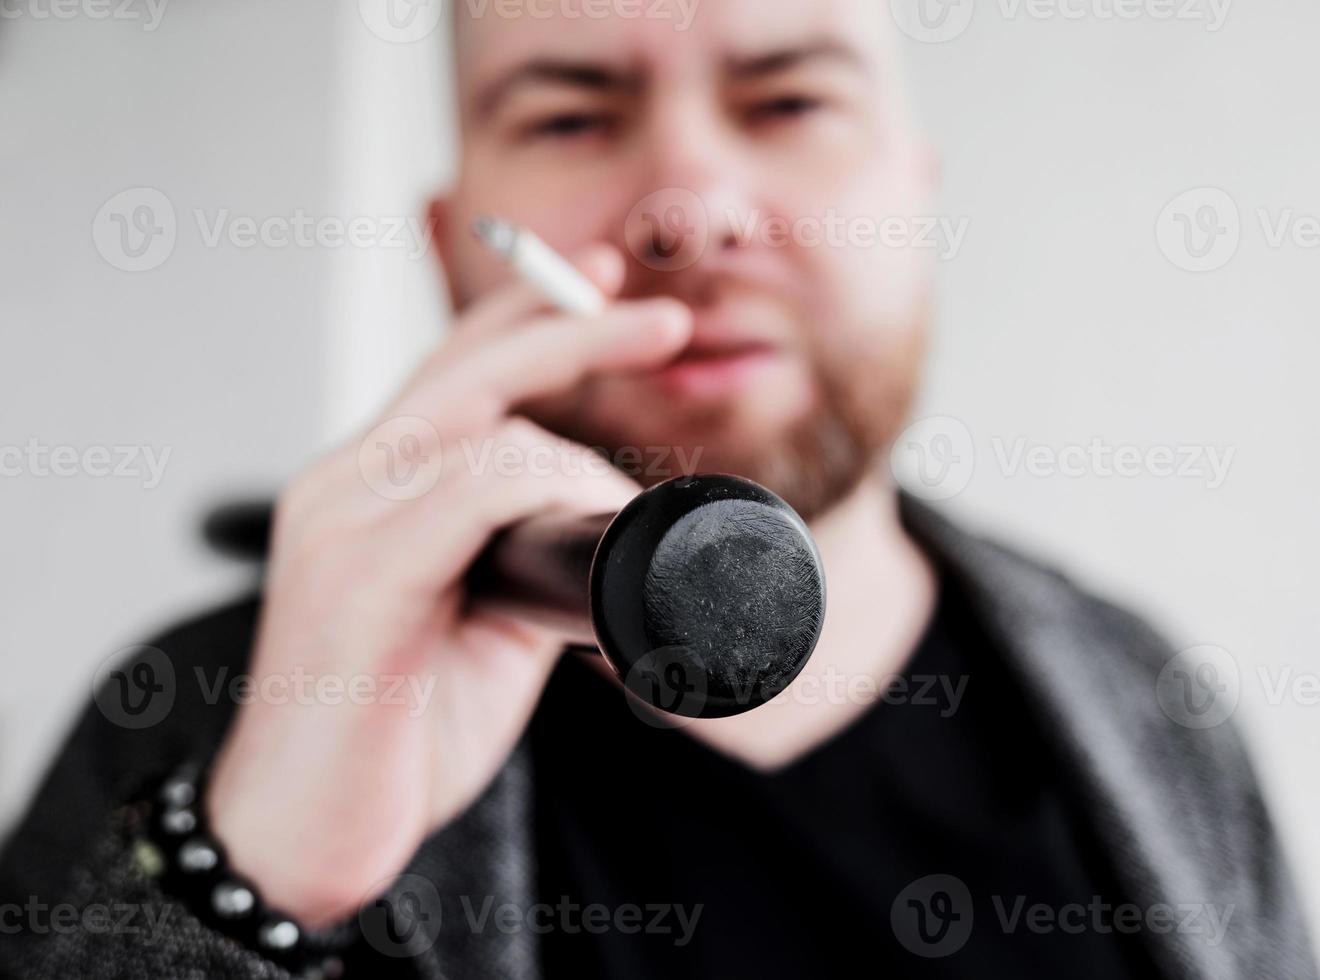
(318, 803)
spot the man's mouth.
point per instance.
(709, 370)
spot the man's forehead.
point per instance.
(648, 35)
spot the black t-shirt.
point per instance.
(934, 836)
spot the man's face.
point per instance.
(741, 163)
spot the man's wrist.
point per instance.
(195, 869)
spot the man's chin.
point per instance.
(812, 464)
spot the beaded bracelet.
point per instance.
(195, 869)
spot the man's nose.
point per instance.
(695, 202)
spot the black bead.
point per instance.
(178, 822)
(279, 934)
(178, 792)
(232, 899)
(197, 856)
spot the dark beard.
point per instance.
(862, 400)
(824, 456)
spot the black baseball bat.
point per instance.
(705, 594)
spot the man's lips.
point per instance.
(709, 368)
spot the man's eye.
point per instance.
(784, 107)
(570, 124)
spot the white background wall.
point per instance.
(239, 362)
(1061, 320)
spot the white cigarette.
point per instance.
(541, 266)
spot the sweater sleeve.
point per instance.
(78, 897)
(115, 922)
(80, 892)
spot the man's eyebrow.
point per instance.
(750, 67)
(592, 76)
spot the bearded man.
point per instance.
(977, 772)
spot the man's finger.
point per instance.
(545, 356)
(504, 308)
(434, 538)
